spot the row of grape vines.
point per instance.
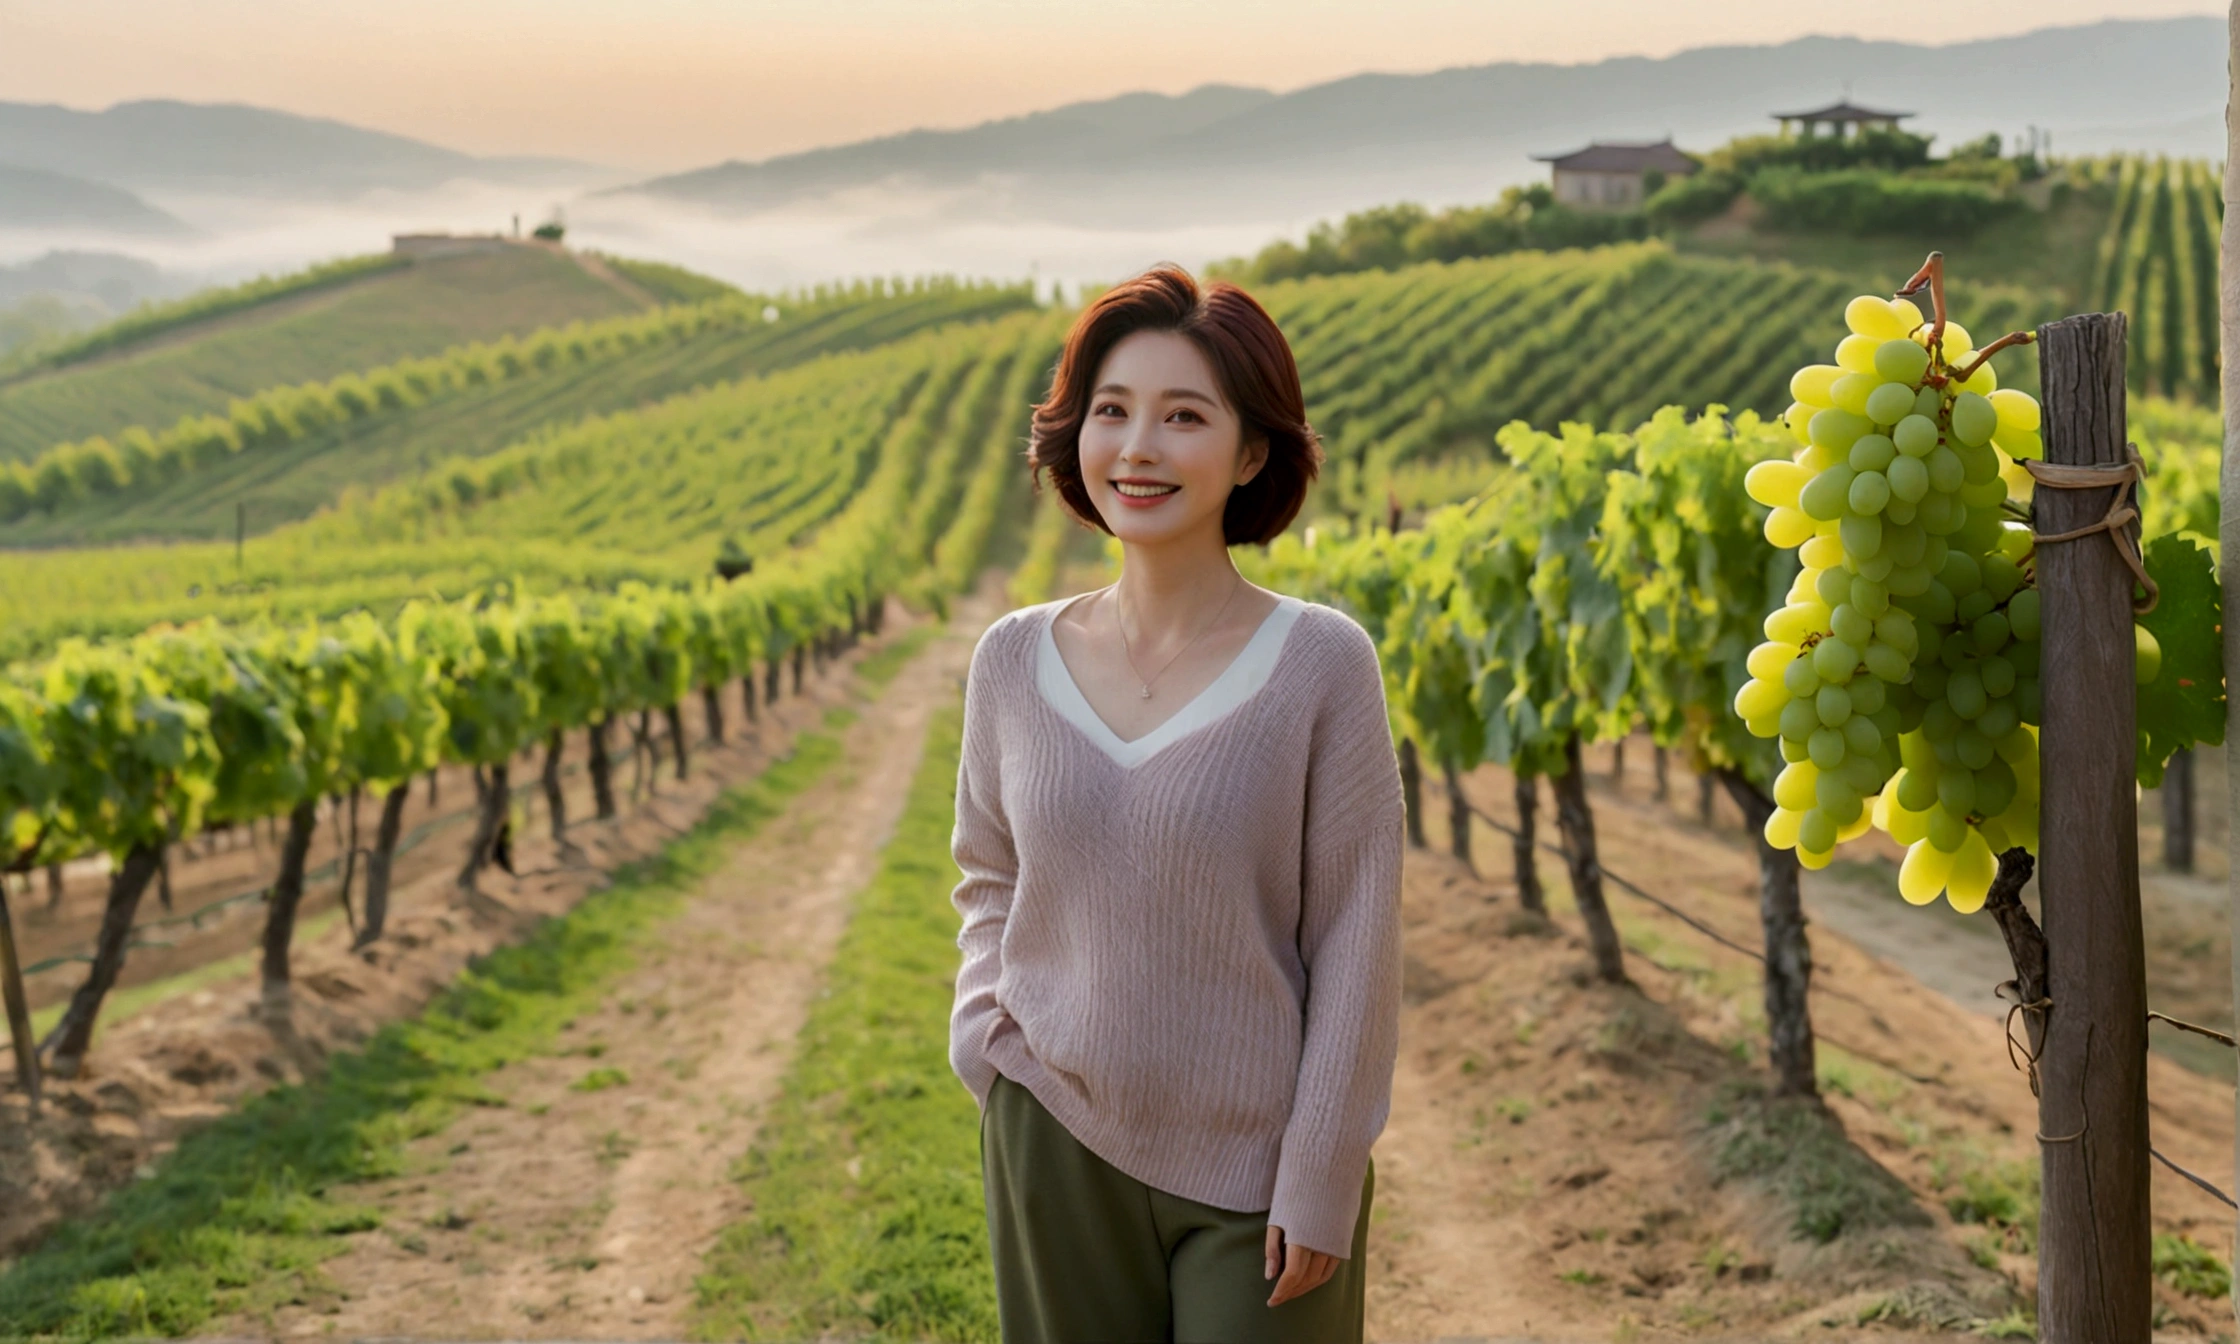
(745, 333)
(1602, 581)
(2157, 260)
(127, 746)
(1599, 584)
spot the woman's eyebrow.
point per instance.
(1172, 393)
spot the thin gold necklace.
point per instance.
(1129, 649)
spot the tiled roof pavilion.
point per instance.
(1841, 115)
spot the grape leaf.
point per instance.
(2185, 703)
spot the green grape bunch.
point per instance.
(1901, 672)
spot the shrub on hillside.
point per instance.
(1391, 236)
(1863, 201)
(1691, 200)
(1890, 151)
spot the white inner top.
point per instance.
(1246, 673)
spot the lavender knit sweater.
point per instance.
(1187, 946)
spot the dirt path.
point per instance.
(583, 1210)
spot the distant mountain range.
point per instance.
(33, 198)
(1220, 151)
(1215, 157)
(162, 145)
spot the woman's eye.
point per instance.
(1109, 408)
(1186, 415)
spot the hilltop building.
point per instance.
(1613, 176)
(1841, 119)
(421, 245)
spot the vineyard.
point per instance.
(288, 451)
(1417, 367)
(1553, 479)
(820, 491)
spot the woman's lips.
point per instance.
(1156, 493)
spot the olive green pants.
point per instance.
(1086, 1254)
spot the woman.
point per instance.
(1178, 821)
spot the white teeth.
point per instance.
(1135, 491)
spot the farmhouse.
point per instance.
(1613, 176)
(1841, 118)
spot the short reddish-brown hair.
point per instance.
(1248, 354)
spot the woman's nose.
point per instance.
(1138, 446)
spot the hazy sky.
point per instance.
(663, 84)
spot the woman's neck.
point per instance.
(1175, 586)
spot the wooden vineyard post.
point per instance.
(2095, 1283)
(2228, 485)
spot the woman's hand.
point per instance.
(1303, 1270)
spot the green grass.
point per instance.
(413, 310)
(1802, 1156)
(2190, 1268)
(241, 1216)
(868, 1217)
(1999, 1194)
(880, 665)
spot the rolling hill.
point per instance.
(163, 143)
(113, 279)
(417, 309)
(1462, 133)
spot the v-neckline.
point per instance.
(1235, 684)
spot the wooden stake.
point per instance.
(2228, 485)
(2095, 1280)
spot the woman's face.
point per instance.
(1162, 448)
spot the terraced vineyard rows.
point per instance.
(290, 450)
(2158, 262)
(745, 470)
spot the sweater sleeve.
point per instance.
(1349, 941)
(982, 847)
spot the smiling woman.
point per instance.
(1178, 820)
(1166, 353)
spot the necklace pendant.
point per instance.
(1145, 693)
